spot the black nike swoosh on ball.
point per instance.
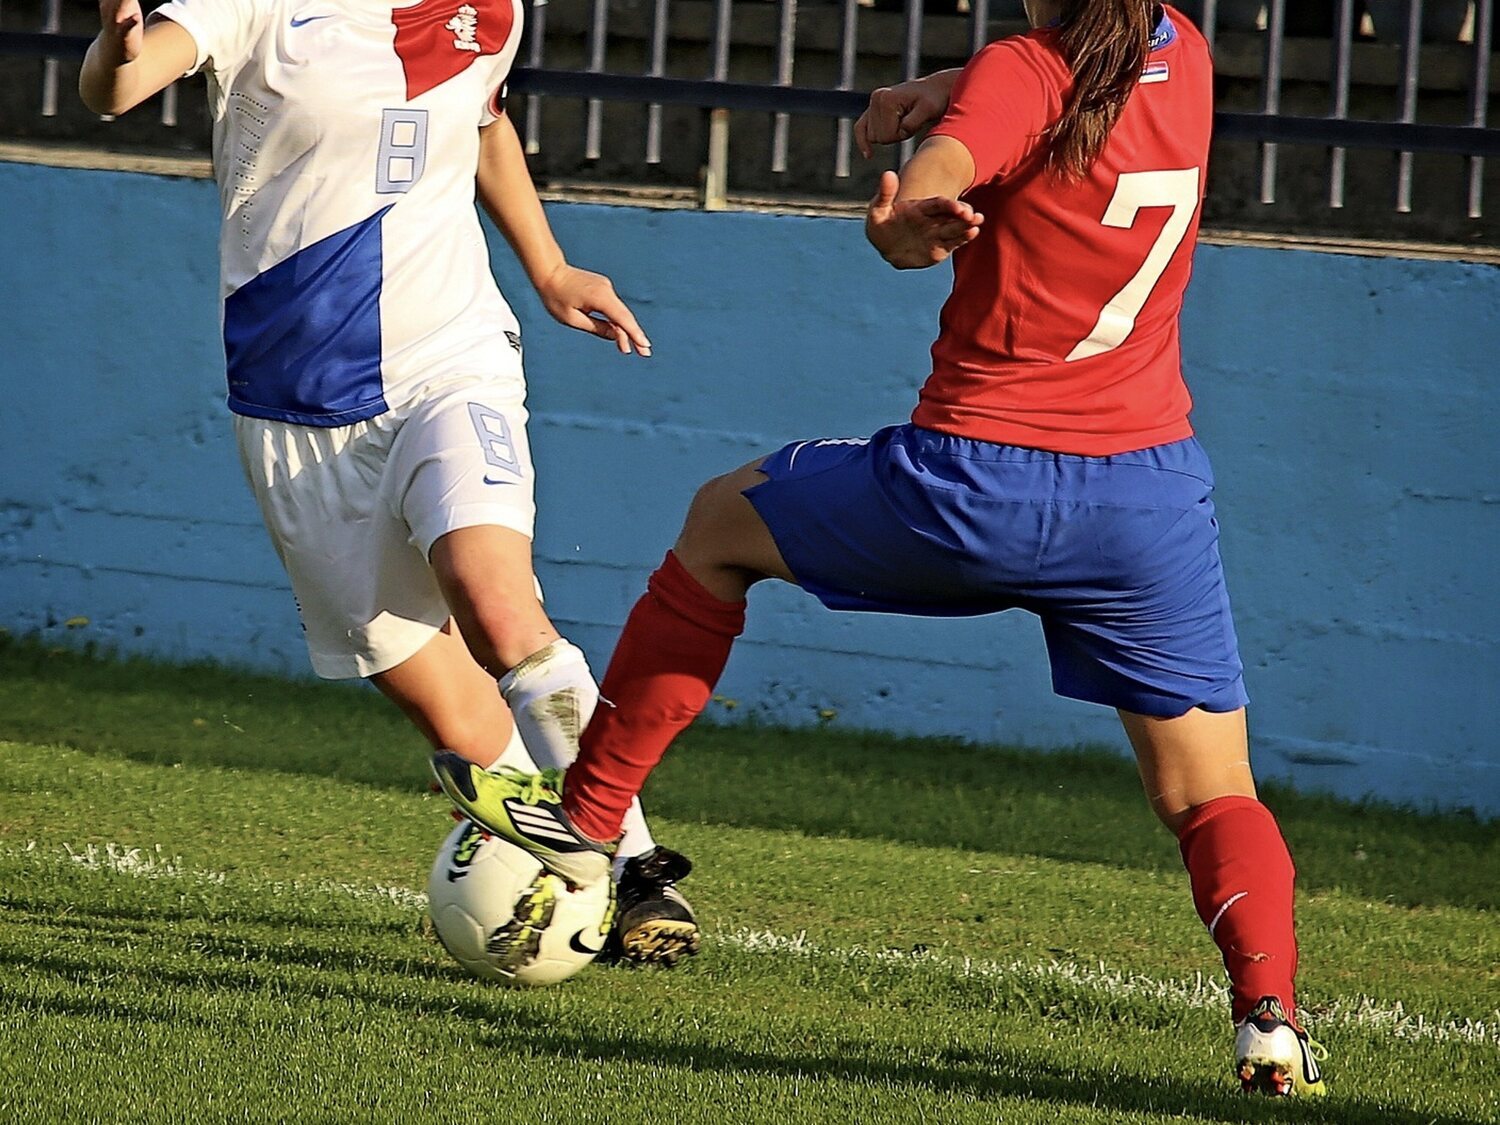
(578, 947)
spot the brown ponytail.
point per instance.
(1106, 43)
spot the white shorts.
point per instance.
(353, 511)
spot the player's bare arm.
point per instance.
(916, 220)
(897, 113)
(575, 297)
(128, 61)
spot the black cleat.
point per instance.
(654, 925)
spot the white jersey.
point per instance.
(346, 140)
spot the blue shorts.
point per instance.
(1118, 556)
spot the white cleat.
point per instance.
(1274, 1056)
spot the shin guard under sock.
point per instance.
(672, 652)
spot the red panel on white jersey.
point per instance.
(438, 39)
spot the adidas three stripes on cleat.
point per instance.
(525, 809)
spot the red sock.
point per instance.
(1241, 874)
(673, 650)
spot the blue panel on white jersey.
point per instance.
(303, 339)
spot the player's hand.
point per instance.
(587, 301)
(897, 113)
(916, 233)
(123, 26)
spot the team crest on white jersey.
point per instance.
(465, 28)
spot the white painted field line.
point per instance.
(154, 863)
(1360, 1013)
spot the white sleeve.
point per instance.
(494, 100)
(224, 30)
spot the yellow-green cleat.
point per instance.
(526, 809)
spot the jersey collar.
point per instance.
(1164, 34)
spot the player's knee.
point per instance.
(709, 520)
(1172, 812)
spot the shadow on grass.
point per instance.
(108, 983)
(1074, 805)
(1001, 1074)
(97, 934)
(135, 917)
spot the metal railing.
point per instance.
(717, 94)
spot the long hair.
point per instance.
(1106, 43)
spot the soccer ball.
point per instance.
(505, 918)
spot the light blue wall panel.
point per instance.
(1349, 404)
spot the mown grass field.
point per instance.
(210, 911)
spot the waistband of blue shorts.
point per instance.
(1185, 456)
(956, 446)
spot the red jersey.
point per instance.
(1061, 331)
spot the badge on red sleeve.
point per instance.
(438, 39)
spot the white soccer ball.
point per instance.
(481, 890)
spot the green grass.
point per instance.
(1018, 946)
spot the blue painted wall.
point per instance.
(1350, 405)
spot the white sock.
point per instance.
(514, 756)
(637, 838)
(552, 695)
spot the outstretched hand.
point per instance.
(913, 234)
(587, 301)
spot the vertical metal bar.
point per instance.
(1411, 56)
(848, 45)
(169, 106)
(1210, 21)
(1343, 54)
(1484, 30)
(658, 67)
(594, 126)
(1270, 103)
(786, 46)
(723, 13)
(51, 24)
(533, 136)
(911, 59)
(979, 25)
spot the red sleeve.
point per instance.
(1002, 104)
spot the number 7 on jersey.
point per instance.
(1134, 191)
